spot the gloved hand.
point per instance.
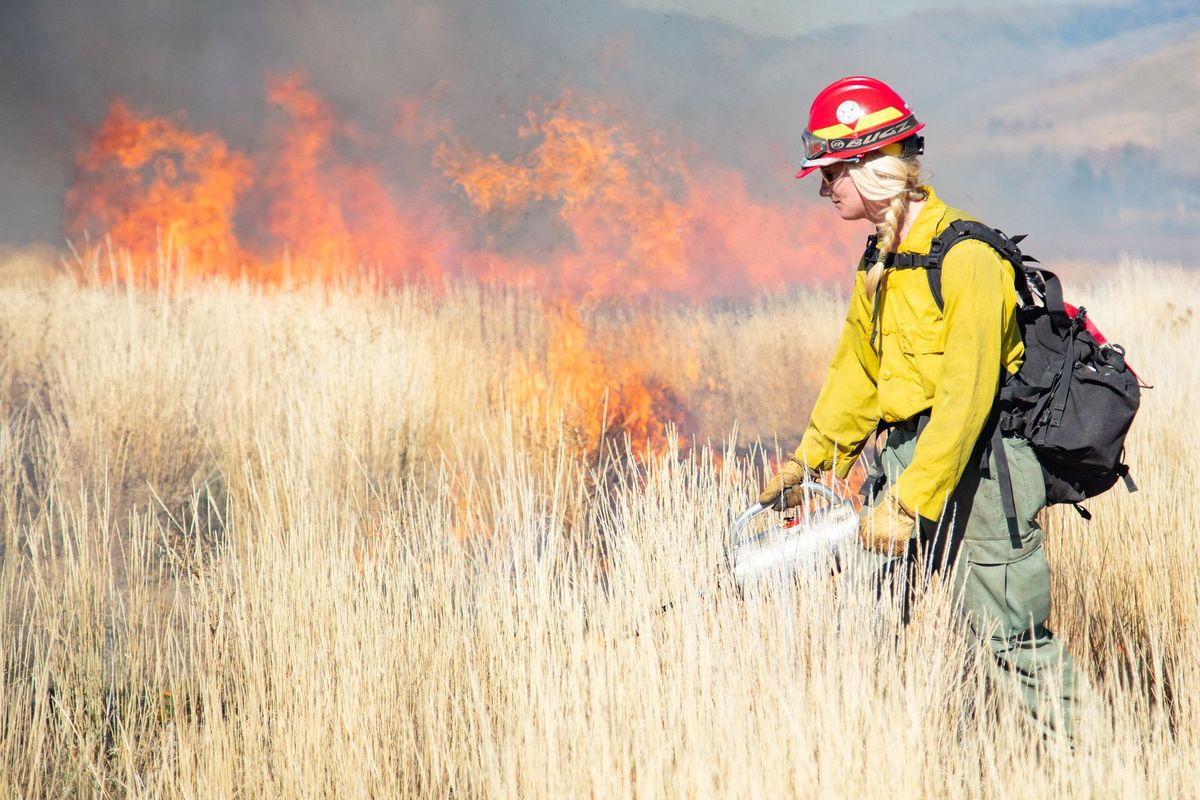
(780, 492)
(887, 526)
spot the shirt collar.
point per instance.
(929, 223)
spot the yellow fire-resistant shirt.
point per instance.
(947, 362)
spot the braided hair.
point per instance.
(897, 180)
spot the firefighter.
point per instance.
(928, 376)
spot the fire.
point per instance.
(640, 219)
(624, 211)
(594, 206)
(150, 184)
(330, 213)
(304, 210)
(601, 396)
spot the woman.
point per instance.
(929, 376)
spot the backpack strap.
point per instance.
(1004, 477)
(1053, 298)
(870, 255)
(1047, 282)
(962, 230)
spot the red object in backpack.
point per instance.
(1073, 312)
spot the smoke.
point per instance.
(723, 94)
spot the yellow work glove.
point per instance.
(780, 492)
(887, 526)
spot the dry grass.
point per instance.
(331, 544)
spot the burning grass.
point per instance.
(341, 542)
(594, 202)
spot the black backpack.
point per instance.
(1074, 398)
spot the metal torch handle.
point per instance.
(735, 532)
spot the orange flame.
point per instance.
(640, 220)
(330, 213)
(616, 210)
(150, 182)
(602, 396)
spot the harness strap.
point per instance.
(962, 230)
(1123, 471)
(870, 256)
(875, 312)
(999, 422)
(1058, 405)
(917, 423)
(1004, 477)
(1052, 290)
(900, 260)
(931, 263)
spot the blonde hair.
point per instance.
(881, 176)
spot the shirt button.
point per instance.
(885, 374)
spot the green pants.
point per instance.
(1002, 591)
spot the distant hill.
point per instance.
(1149, 101)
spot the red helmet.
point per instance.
(853, 116)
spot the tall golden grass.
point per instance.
(312, 543)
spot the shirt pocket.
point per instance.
(922, 348)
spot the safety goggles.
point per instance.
(814, 146)
(819, 151)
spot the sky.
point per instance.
(1075, 122)
(789, 19)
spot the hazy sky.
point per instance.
(789, 18)
(1075, 122)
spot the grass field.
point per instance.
(351, 543)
